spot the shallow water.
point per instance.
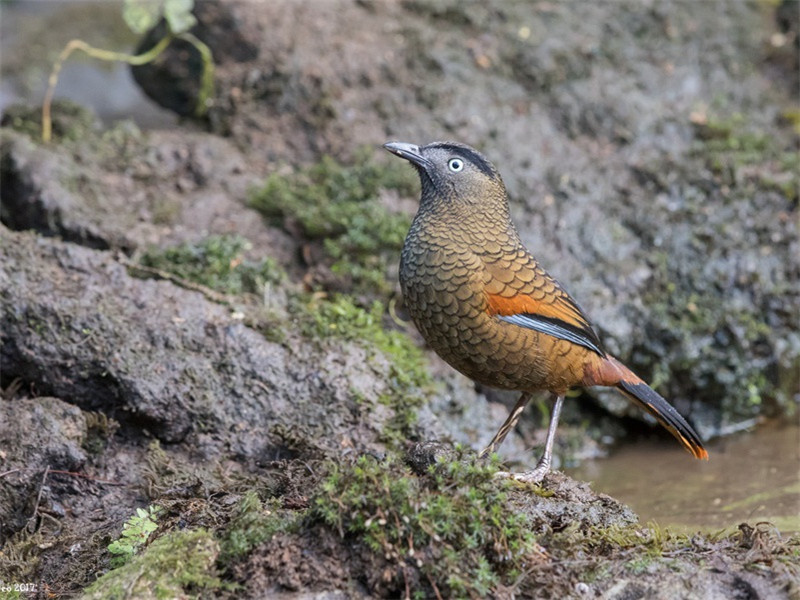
(753, 476)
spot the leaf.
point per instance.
(141, 15)
(149, 527)
(178, 14)
(135, 532)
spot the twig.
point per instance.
(434, 586)
(9, 472)
(89, 477)
(207, 79)
(395, 317)
(86, 339)
(12, 388)
(179, 281)
(39, 495)
(73, 45)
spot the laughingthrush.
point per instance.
(484, 304)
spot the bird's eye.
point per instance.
(455, 164)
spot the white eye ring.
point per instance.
(455, 165)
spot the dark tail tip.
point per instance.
(665, 414)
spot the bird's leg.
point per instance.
(510, 423)
(543, 466)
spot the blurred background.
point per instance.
(650, 150)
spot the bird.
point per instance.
(485, 305)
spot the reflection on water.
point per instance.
(750, 477)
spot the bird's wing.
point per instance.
(520, 292)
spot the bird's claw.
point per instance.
(534, 476)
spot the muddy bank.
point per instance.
(357, 527)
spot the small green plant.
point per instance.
(140, 16)
(216, 262)
(339, 206)
(134, 534)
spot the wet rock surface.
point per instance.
(161, 358)
(295, 446)
(659, 191)
(36, 434)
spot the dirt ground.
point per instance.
(204, 322)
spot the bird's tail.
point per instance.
(613, 373)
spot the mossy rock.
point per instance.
(217, 262)
(452, 525)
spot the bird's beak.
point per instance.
(410, 152)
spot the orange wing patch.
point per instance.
(520, 292)
(521, 304)
(551, 319)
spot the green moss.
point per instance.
(343, 318)
(165, 472)
(454, 525)
(621, 551)
(740, 153)
(652, 541)
(216, 262)
(173, 566)
(20, 557)
(713, 338)
(253, 524)
(71, 121)
(100, 429)
(339, 206)
(731, 133)
(639, 565)
(165, 210)
(615, 550)
(792, 117)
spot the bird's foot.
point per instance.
(534, 476)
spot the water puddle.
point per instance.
(751, 477)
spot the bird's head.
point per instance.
(454, 175)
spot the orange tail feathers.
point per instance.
(610, 372)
